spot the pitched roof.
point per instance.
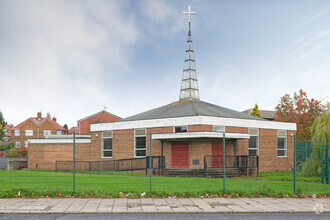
(192, 107)
(71, 130)
(103, 111)
(38, 123)
(266, 114)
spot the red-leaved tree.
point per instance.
(300, 110)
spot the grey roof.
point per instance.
(186, 108)
(266, 114)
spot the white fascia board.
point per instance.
(193, 120)
(57, 141)
(198, 135)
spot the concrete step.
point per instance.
(213, 172)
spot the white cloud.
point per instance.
(53, 55)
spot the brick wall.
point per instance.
(84, 125)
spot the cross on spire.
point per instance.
(189, 85)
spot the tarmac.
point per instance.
(163, 205)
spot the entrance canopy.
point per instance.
(204, 134)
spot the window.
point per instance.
(218, 128)
(140, 146)
(58, 132)
(106, 144)
(18, 144)
(254, 142)
(28, 132)
(281, 143)
(17, 133)
(47, 132)
(179, 129)
(26, 144)
(6, 131)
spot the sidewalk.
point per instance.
(166, 205)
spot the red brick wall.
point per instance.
(84, 126)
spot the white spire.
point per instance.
(189, 85)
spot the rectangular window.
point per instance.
(218, 128)
(47, 132)
(6, 131)
(26, 144)
(17, 133)
(107, 144)
(140, 145)
(28, 132)
(179, 129)
(281, 143)
(18, 144)
(254, 142)
(58, 132)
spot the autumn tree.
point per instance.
(49, 116)
(2, 120)
(255, 111)
(300, 110)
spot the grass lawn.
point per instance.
(104, 184)
(283, 176)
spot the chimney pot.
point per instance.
(54, 119)
(39, 116)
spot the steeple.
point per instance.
(189, 85)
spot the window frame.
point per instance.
(140, 149)
(50, 132)
(28, 133)
(18, 144)
(174, 129)
(17, 132)
(26, 144)
(219, 128)
(254, 132)
(58, 132)
(285, 143)
(102, 145)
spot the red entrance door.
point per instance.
(180, 155)
(217, 154)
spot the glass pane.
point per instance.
(218, 128)
(140, 142)
(107, 143)
(280, 143)
(140, 153)
(179, 129)
(107, 153)
(140, 132)
(107, 133)
(253, 152)
(281, 153)
(253, 142)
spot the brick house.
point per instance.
(35, 127)
(83, 127)
(265, 114)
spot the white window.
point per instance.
(218, 128)
(17, 133)
(179, 129)
(47, 132)
(58, 132)
(140, 143)
(28, 132)
(254, 142)
(6, 131)
(18, 144)
(281, 143)
(26, 144)
(107, 144)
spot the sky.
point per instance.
(75, 58)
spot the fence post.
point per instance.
(306, 152)
(294, 164)
(150, 158)
(322, 165)
(327, 164)
(224, 162)
(74, 163)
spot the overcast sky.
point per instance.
(72, 58)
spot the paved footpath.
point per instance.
(164, 205)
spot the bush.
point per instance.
(1, 154)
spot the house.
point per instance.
(6, 138)
(83, 127)
(265, 114)
(35, 127)
(185, 135)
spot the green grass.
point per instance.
(283, 176)
(104, 184)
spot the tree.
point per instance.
(2, 132)
(65, 126)
(2, 120)
(256, 112)
(49, 116)
(320, 136)
(300, 110)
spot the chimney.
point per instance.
(54, 119)
(39, 116)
